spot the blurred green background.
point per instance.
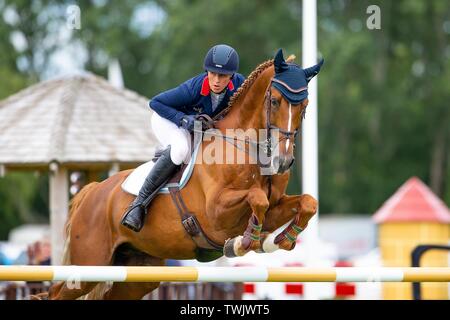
(384, 95)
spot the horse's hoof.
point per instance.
(233, 248)
(228, 248)
(268, 244)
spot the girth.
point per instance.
(191, 224)
(188, 219)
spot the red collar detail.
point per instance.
(205, 86)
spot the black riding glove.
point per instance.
(187, 122)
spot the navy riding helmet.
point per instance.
(221, 59)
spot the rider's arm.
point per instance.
(169, 104)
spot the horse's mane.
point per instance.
(252, 78)
(248, 83)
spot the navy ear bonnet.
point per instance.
(291, 80)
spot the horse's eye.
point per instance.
(303, 114)
(275, 102)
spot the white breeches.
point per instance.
(168, 133)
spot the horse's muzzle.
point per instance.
(283, 163)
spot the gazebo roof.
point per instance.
(77, 119)
(413, 201)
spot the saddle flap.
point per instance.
(136, 178)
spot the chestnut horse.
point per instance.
(231, 202)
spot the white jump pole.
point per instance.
(221, 274)
(310, 184)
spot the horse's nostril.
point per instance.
(291, 163)
(276, 163)
(285, 163)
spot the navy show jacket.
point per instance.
(192, 97)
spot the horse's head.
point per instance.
(286, 101)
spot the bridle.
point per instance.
(286, 135)
(266, 145)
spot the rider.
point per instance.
(174, 117)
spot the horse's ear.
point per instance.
(311, 72)
(291, 58)
(279, 63)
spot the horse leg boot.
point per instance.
(251, 240)
(299, 210)
(160, 173)
(286, 240)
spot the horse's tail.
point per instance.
(100, 289)
(74, 205)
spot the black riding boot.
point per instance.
(160, 173)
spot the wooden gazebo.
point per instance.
(73, 123)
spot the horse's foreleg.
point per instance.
(298, 208)
(251, 240)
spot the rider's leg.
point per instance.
(168, 133)
(176, 141)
